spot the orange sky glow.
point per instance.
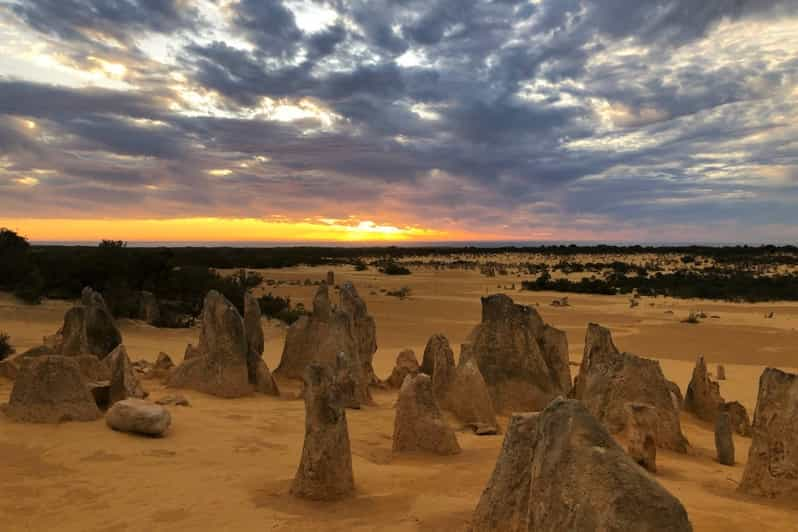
(225, 229)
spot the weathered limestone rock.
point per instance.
(738, 418)
(125, 383)
(438, 363)
(162, 367)
(561, 470)
(149, 311)
(88, 328)
(191, 352)
(139, 417)
(772, 468)
(676, 395)
(703, 394)
(93, 369)
(50, 389)
(173, 399)
(641, 433)
(9, 367)
(419, 425)
(406, 364)
(523, 361)
(724, 441)
(221, 368)
(325, 471)
(351, 388)
(330, 279)
(318, 337)
(364, 329)
(721, 373)
(504, 504)
(609, 379)
(257, 371)
(468, 398)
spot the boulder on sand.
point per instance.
(124, 383)
(524, 361)
(608, 379)
(88, 328)
(561, 470)
(257, 371)
(406, 364)
(703, 394)
(51, 389)
(139, 417)
(721, 373)
(325, 470)
(221, 367)
(419, 425)
(772, 468)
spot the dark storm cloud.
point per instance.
(617, 109)
(80, 20)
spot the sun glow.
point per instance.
(276, 229)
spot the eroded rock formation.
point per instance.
(88, 328)
(325, 470)
(220, 365)
(523, 360)
(419, 425)
(406, 364)
(257, 371)
(703, 394)
(772, 468)
(51, 389)
(124, 383)
(608, 379)
(561, 470)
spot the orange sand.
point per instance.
(228, 464)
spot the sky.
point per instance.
(377, 120)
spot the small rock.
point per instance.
(138, 416)
(720, 374)
(174, 400)
(642, 435)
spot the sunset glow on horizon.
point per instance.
(221, 230)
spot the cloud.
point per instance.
(560, 117)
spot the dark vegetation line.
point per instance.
(733, 286)
(180, 277)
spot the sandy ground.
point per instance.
(228, 464)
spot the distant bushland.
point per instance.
(729, 286)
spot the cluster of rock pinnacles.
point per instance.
(558, 464)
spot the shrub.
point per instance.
(5, 346)
(31, 289)
(280, 308)
(393, 268)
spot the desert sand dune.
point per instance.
(229, 464)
